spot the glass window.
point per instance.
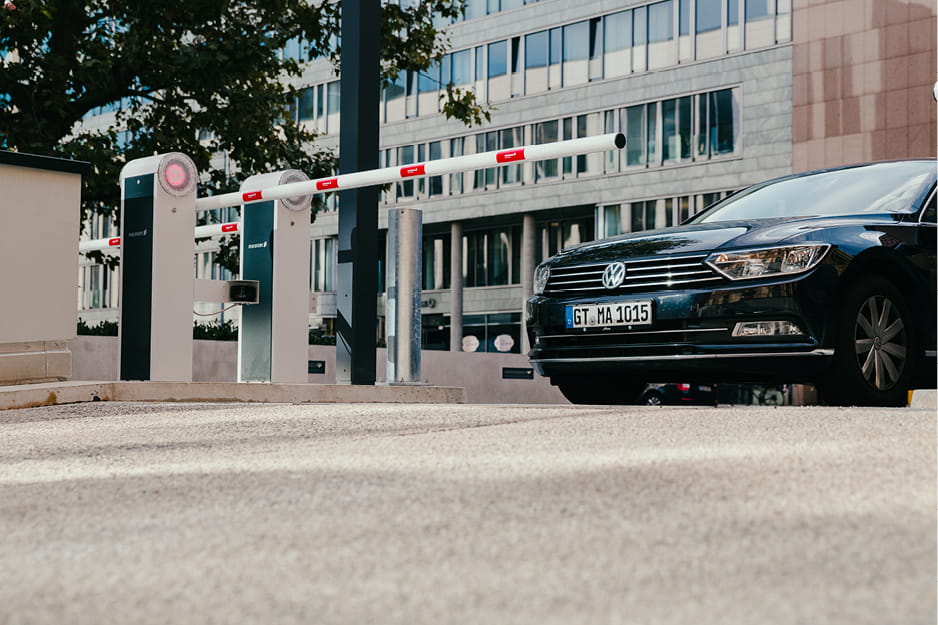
(661, 21)
(596, 49)
(556, 45)
(576, 50)
(394, 99)
(676, 128)
(461, 73)
(480, 65)
(511, 4)
(307, 104)
(517, 82)
(732, 12)
(456, 149)
(612, 220)
(333, 104)
(756, 9)
(546, 132)
(618, 31)
(721, 126)
(635, 135)
(640, 26)
(684, 17)
(685, 126)
(555, 73)
(435, 183)
(576, 41)
(702, 134)
(498, 59)
(429, 79)
(651, 135)
(499, 257)
(474, 9)
(322, 272)
(535, 50)
(436, 261)
(406, 155)
(709, 15)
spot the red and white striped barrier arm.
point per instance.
(211, 230)
(572, 147)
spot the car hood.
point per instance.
(703, 238)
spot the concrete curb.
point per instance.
(31, 395)
(926, 399)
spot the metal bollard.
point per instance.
(404, 323)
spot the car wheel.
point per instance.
(652, 399)
(603, 391)
(876, 347)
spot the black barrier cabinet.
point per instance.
(136, 278)
(517, 373)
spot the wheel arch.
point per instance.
(889, 264)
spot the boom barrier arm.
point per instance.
(210, 230)
(572, 147)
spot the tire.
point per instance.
(877, 348)
(652, 399)
(603, 391)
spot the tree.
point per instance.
(181, 71)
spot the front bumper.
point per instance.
(691, 335)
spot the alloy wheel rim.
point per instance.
(653, 400)
(880, 342)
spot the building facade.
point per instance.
(712, 95)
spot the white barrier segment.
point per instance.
(572, 147)
(113, 243)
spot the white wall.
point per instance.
(40, 211)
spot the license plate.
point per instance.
(632, 313)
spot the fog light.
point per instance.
(766, 328)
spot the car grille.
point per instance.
(649, 274)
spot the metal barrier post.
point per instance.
(405, 239)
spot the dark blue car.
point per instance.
(826, 278)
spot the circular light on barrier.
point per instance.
(177, 174)
(300, 202)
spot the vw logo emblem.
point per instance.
(614, 275)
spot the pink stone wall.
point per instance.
(863, 73)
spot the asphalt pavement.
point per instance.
(388, 513)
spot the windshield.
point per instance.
(878, 188)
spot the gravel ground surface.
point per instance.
(238, 513)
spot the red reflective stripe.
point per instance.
(413, 170)
(509, 155)
(328, 183)
(251, 196)
(114, 241)
(229, 227)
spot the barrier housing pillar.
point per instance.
(274, 335)
(157, 221)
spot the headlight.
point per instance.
(541, 274)
(766, 263)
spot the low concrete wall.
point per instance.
(95, 358)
